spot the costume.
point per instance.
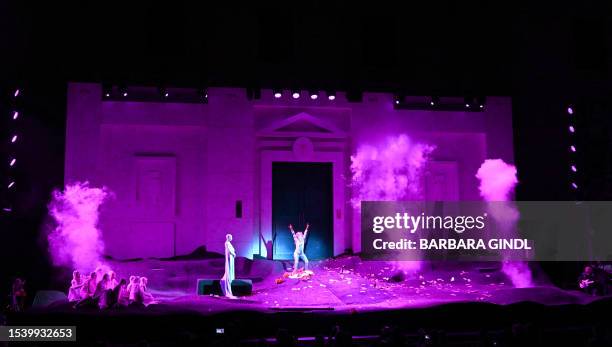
(229, 275)
(300, 240)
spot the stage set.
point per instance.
(167, 181)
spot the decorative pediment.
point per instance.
(302, 124)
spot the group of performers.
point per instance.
(102, 289)
(299, 238)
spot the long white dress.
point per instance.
(228, 276)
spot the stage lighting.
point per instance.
(17, 91)
(468, 102)
(11, 184)
(573, 168)
(107, 90)
(314, 95)
(570, 110)
(481, 102)
(164, 92)
(574, 185)
(14, 139)
(573, 148)
(15, 115)
(331, 95)
(12, 162)
(295, 94)
(277, 93)
(571, 129)
(434, 101)
(123, 91)
(203, 93)
(397, 99)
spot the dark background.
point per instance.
(302, 193)
(545, 55)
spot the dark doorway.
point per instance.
(302, 193)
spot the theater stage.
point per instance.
(357, 295)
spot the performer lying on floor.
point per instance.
(300, 239)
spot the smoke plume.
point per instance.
(497, 182)
(76, 241)
(389, 172)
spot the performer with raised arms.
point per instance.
(300, 239)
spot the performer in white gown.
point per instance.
(76, 285)
(229, 275)
(300, 239)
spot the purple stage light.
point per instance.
(397, 102)
(574, 185)
(573, 168)
(314, 96)
(7, 209)
(16, 94)
(467, 105)
(481, 106)
(573, 148)
(14, 139)
(125, 94)
(571, 129)
(278, 95)
(332, 97)
(12, 163)
(107, 95)
(296, 95)
(570, 110)
(432, 103)
(15, 115)
(10, 185)
(166, 94)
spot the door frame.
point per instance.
(338, 193)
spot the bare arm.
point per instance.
(291, 228)
(306, 230)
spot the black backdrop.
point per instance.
(302, 193)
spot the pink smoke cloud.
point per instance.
(391, 171)
(76, 241)
(497, 182)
